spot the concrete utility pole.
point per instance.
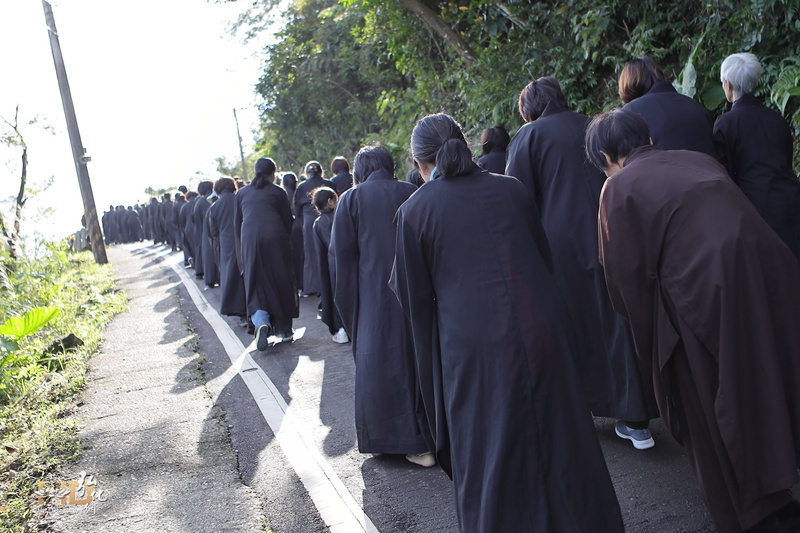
(78, 151)
(241, 152)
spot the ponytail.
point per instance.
(454, 158)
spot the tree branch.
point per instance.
(435, 22)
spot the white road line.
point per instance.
(335, 504)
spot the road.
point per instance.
(302, 459)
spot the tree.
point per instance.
(13, 139)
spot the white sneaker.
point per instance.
(341, 337)
(422, 459)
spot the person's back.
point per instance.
(676, 121)
(493, 349)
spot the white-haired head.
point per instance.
(742, 71)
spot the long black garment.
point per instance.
(177, 227)
(343, 181)
(133, 227)
(164, 221)
(262, 224)
(547, 156)
(492, 338)
(388, 409)
(185, 221)
(676, 122)
(204, 265)
(210, 262)
(327, 269)
(755, 145)
(305, 210)
(220, 228)
(494, 161)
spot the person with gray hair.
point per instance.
(755, 144)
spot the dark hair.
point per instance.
(415, 178)
(537, 94)
(637, 77)
(178, 196)
(339, 164)
(320, 197)
(494, 139)
(438, 139)
(183, 189)
(616, 133)
(289, 181)
(372, 158)
(166, 196)
(265, 173)
(224, 184)
(205, 187)
(313, 168)
(191, 195)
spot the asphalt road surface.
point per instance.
(303, 483)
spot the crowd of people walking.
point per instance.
(638, 264)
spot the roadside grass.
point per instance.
(42, 374)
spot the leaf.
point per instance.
(28, 324)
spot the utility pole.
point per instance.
(78, 151)
(241, 152)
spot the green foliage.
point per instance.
(393, 68)
(29, 323)
(37, 384)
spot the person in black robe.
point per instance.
(755, 144)
(676, 122)
(164, 219)
(202, 258)
(388, 419)
(547, 156)
(711, 293)
(121, 234)
(108, 225)
(342, 179)
(144, 216)
(324, 200)
(493, 348)
(304, 210)
(494, 142)
(220, 229)
(210, 259)
(133, 225)
(152, 219)
(290, 186)
(263, 225)
(187, 226)
(175, 226)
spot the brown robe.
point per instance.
(712, 297)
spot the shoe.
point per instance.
(287, 335)
(262, 337)
(422, 459)
(641, 438)
(242, 322)
(341, 337)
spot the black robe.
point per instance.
(492, 338)
(712, 295)
(262, 224)
(220, 228)
(164, 221)
(304, 210)
(387, 403)
(676, 122)
(327, 268)
(210, 261)
(547, 156)
(185, 221)
(199, 208)
(755, 145)
(493, 162)
(342, 181)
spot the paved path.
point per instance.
(285, 457)
(154, 442)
